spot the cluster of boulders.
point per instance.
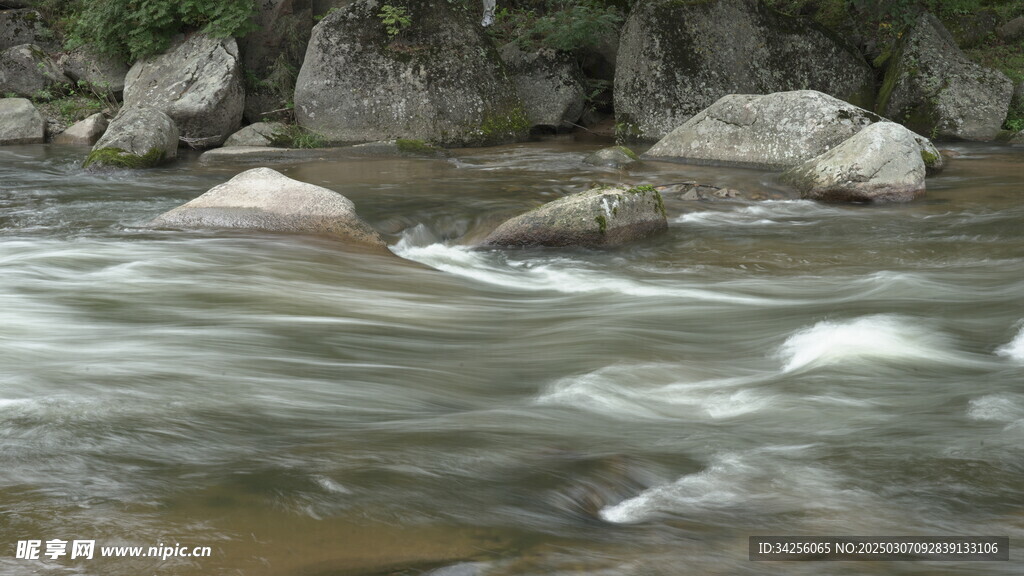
(715, 81)
(442, 80)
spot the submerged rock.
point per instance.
(140, 137)
(772, 131)
(439, 79)
(197, 83)
(20, 122)
(401, 147)
(933, 88)
(677, 58)
(613, 156)
(26, 70)
(598, 217)
(549, 83)
(881, 163)
(264, 199)
(86, 132)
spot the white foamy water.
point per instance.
(628, 392)
(1015, 348)
(996, 408)
(879, 337)
(769, 480)
(556, 274)
(767, 213)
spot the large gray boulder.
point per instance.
(439, 79)
(549, 83)
(138, 137)
(26, 70)
(20, 122)
(198, 83)
(26, 26)
(677, 58)
(772, 131)
(85, 132)
(264, 199)
(933, 88)
(597, 217)
(881, 163)
(105, 73)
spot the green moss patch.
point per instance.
(119, 158)
(418, 147)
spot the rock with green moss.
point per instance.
(20, 122)
(933, 88)
(597, 217)
(677, 58)
(550, 84)
(27, 71)
(881, 163)
(613, 157)
(437, 79)
(402, 147)
(197, 82)
(264, 199)
(138, 137)
(771, 131)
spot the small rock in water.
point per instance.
(597, 217)
(614, 156)
(264, 199)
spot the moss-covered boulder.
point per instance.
(437, 78)
(550, 84)
(597, 217)
(881, 163)
(771, 131)
(138, 137)
(198, 83)
(612, 157)
(26, 70)
(264, 199)
(20, 122)
(677, 58)
(933, 88)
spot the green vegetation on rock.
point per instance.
(136, 29)
(411, 146)
(119, 158)
(557, 24)
(295, 136)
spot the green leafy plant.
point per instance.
(395, 19)
(135, 29)
(558, 24)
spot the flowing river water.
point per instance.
(773, 367)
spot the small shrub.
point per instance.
(395, 19)
(295, 136)
(561, 25)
